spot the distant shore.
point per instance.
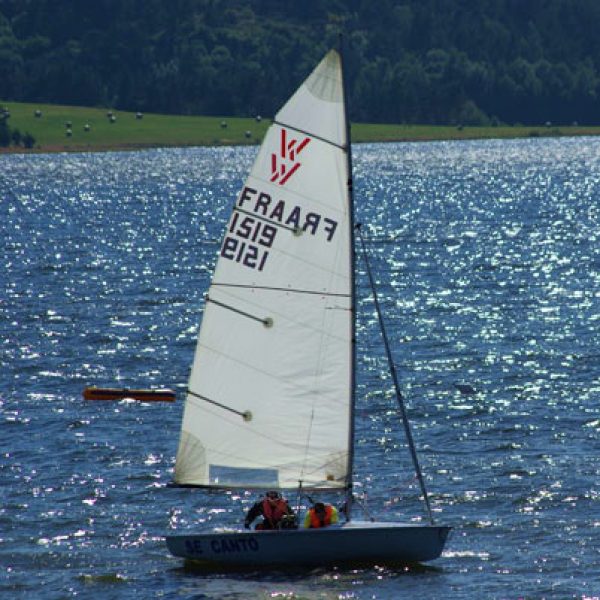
(78, 129)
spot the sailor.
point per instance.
(321, 515)
(275, 511)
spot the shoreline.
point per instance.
(139, 146)
(80, 129)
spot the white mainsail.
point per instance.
(269, 396)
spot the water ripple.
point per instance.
(488, 266)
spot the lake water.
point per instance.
(487, 257)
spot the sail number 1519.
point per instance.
(248, 241)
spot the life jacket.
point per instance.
(273, 514)
(315, 522)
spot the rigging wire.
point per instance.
(399, 395)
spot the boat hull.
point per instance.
(351, 543)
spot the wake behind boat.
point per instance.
(271, 396)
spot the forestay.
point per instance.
(269, 396)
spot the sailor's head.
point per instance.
(273, 495)
(319, 508)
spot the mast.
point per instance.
(350, 195)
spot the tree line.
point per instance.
(408, 61)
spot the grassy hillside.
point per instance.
(128, 132)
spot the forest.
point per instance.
(407, 61)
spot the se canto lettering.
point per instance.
(249, 238)
(223, 545)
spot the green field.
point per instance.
(363, 132)
(129, 132)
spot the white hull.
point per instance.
(354, 542)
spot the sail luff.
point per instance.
(352, 257)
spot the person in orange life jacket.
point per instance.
(321, 515)
(273, 508)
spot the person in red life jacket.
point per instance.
(321, 515)
(275, 511)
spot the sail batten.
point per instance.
(275, 339)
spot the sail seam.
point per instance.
(277, 289)
(316, 137)
(273, 377)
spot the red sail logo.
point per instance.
(285, 164)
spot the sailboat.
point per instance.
(271, 395)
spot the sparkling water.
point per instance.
(487, 261)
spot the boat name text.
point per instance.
(223, 545)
